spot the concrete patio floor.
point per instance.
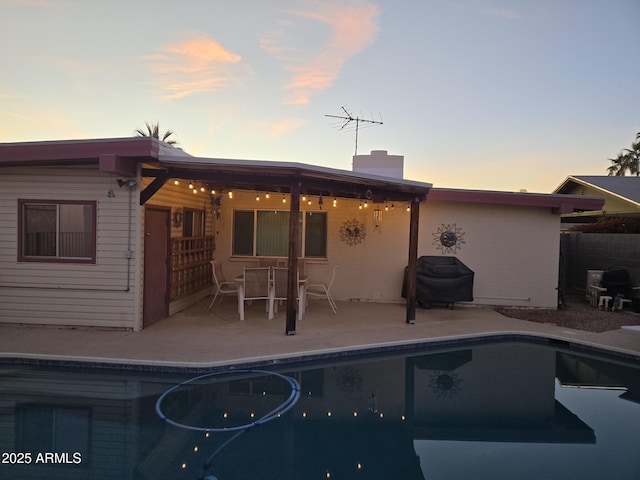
(199, 338)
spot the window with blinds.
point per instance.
(265, 233)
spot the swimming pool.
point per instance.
(502, 410)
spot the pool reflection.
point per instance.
(444, 415)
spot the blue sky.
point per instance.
(485, 94)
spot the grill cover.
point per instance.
(441, 280)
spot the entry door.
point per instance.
(155, 305)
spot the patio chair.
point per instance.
(323, 290)
(255, 286)
(279, 287)
(221, 286)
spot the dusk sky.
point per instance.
(482, 94)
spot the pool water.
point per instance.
(496, 411)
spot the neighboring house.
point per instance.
(621, 196)
(108, 233)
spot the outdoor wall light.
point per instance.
(129, 183)
(377, 218)
(177, 217)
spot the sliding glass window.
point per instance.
(265, 233)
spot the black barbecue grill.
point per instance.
(441, 280)
(617, 282)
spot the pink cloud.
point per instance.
(198, 64)
(283, 127)
(352, 28)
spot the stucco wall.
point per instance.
(513, 250)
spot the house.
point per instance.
(621, 196)
(119, 233)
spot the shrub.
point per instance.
(610, 225)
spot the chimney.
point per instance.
(379, 162)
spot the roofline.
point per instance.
(579, 181)
(559, 203)
(300, 169)
(77, 151)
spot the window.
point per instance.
(193, 223)
(46, 428)
(265, 233)
(63, 231)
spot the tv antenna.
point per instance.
(349, 119)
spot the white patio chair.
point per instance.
(323, 290)
(221, 286)
(279, 287)
(255, 286)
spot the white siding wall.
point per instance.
(512, 250)
(104, 294)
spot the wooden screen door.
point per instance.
(155, 305)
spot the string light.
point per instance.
(213, 192)
(230, 194)
(257, 197)
(284, 200)
(266, 195)
(191, 185)
(365, 204)
(335, 202)
(176, 182)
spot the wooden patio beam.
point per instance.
(412, 271)
(292, 282)
(152, 189)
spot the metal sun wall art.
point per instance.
(445, 384)
(448, 238)
(352, 232)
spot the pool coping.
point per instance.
(399, 347)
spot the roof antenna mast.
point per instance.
(349, 119)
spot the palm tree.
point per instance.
(153, 130)
(627, 160)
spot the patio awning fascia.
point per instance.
(267, 175)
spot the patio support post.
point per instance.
(412, 272)
(292, 282)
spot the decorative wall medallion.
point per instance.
(448, 238)
(445, 384)
(352, 232)
(349, 379)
